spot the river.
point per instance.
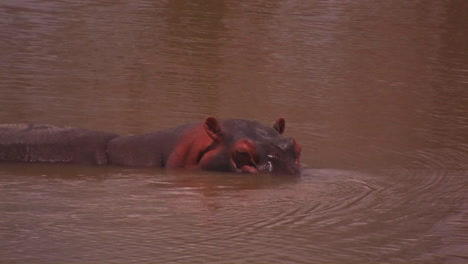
(376, 92)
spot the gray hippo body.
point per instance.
(47, 143)
(234, 145)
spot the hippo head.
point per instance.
(247, 146)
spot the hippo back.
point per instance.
(145, 150)
(48, 143)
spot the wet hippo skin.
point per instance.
(232, 145)
(47, 143)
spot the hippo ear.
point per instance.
(212, 128)
(280, 125)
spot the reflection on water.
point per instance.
(134, 215)
(376, 94)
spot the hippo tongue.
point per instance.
(249, 169)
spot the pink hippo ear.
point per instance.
(213, 129)
(280, 125)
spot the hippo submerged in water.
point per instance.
(234, 145)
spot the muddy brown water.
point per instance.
(376, 93)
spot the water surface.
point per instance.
(376, 93)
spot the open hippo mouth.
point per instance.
(266, 158)
(249, 147)
(277, 165)
(280, 161)
(272, 164)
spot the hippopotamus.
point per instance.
(231, 145)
